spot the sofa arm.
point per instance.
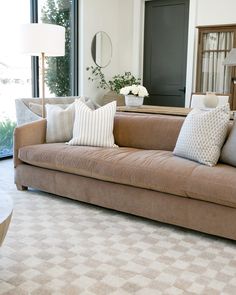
(28, 134)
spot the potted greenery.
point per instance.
(114, 85)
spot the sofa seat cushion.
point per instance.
(151, 169)
(214, 184)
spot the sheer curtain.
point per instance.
(216, 77)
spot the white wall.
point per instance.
(125, 36)
(212, 12)
(115, 17)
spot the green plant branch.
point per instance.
(6, 133)
(116, 83)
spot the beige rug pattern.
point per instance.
(58, 246)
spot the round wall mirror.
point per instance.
(101, 49)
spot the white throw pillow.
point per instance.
(59, 123)
(203, 134)
(60, 120)
(94, 128)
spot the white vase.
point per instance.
(210, 100)
(133, 101)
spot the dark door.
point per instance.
(165, 51)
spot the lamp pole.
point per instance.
(43, 83)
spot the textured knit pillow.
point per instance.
(94, 128)
(59, 123)
(203, 134)
(228, 154)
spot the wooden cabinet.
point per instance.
(214, 43)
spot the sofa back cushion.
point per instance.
(147, 131)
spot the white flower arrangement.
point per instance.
(137, 90)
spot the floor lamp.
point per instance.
(230, 61)
(42, 40)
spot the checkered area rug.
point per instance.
(59, 246)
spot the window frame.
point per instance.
(74, 51)
(214, 29)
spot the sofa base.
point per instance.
(21, 187)
(189, 213)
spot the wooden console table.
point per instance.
(6, 208)
(148, 109)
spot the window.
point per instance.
(19, 75)
(61, 72)
(214, 45)
(15, 71)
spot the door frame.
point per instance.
(138, 45)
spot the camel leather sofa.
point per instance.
(141, 177)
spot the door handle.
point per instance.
(182, 89)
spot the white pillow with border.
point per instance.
(60, 123)
(94, 127)
(203, 134)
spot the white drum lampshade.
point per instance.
(47, 38)
(42, 40)
(230, 59)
